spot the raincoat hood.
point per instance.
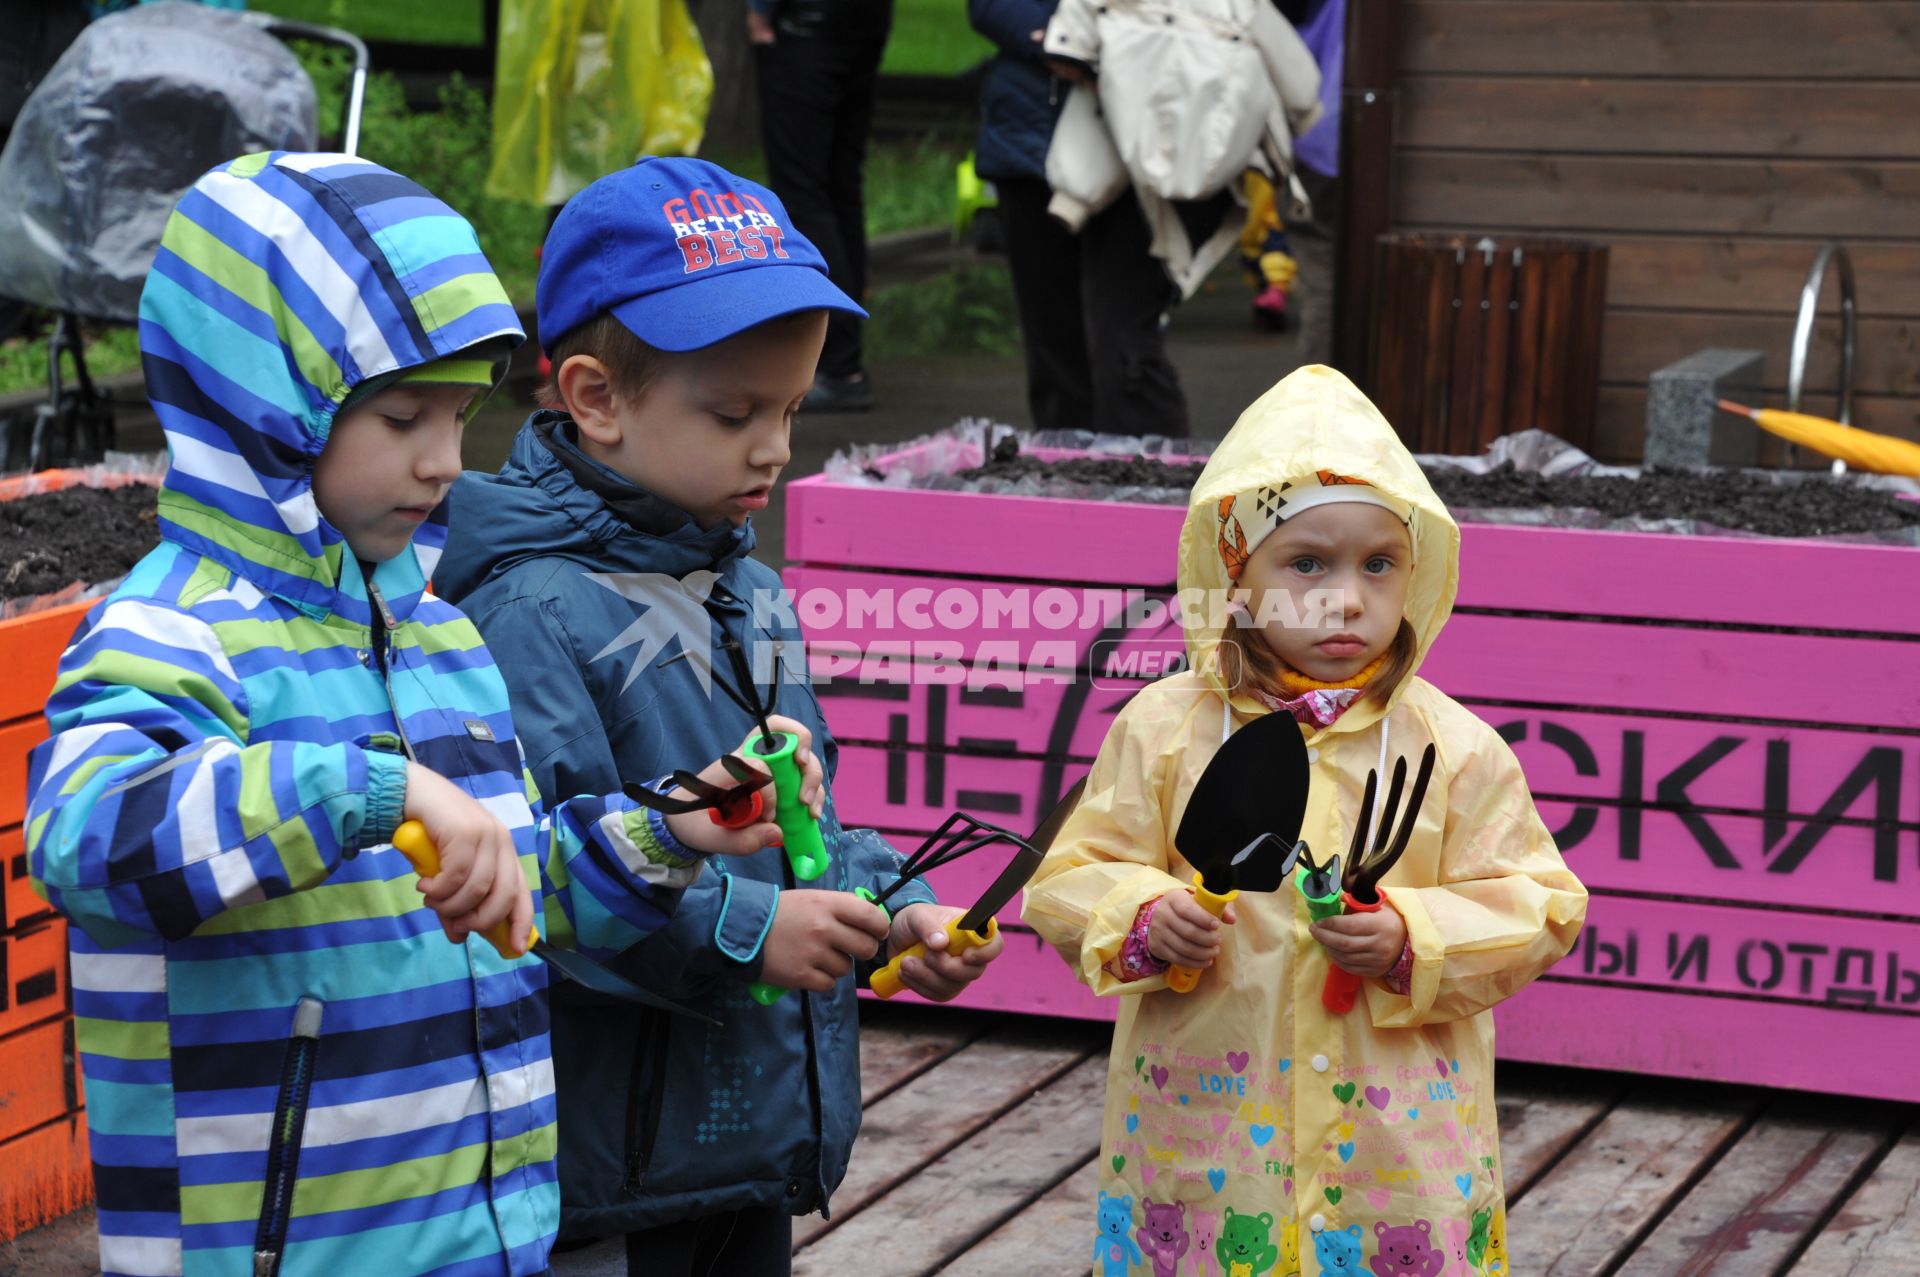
(1315, 420)
(284, 281)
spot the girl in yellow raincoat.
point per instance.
(1249, 1131)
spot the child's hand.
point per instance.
(813, 787)
(1183, 933)
(696, 829)
(1365, 944)
(817, 936)
(939, 976)
(479, 883)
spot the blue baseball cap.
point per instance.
(682, 252)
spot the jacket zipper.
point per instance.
(383, 626)
(283, 1147)
(646, 1086)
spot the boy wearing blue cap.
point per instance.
(608, 562)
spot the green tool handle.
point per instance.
(799, 831)
(763, 991)
(1319, 908)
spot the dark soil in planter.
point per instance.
(1102, 472)
(1736, 500)
(1733, 499)
(52, 539)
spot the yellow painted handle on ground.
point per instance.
(1182, 979)
(886, 981)
(411, 841)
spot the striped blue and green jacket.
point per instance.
(288, 1067)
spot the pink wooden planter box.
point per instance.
(1724, 734)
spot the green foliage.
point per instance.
(969, 310)
(23, 360)
(910, 183)
(412, 22)
(932, 37)
(445, 150)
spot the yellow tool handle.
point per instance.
(411, 841)
(1182, 979)
(886, 981)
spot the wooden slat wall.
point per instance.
(1714, 144)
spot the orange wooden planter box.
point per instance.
(44, 1170)
(43, 1148)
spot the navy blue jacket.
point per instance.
(1018, 99)
(661, 1118)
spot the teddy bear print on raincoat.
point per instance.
(1363, 1143)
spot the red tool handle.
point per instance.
(1343, 987)
(739, 813)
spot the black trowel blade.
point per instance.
(1255, 784)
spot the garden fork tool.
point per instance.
(958, 836)
(411, 841)
(1361, 884)
(1241, 828)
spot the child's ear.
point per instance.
(587, 388)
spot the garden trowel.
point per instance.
(1242, 824)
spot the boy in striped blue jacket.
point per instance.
(289, 1069)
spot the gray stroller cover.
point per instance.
(144, 102)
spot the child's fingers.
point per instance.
(520, 926)
(477, 886)
(934, 982)
(456, 849)
(1197, 934)
(794, 727)
(1190, 911)
(1354, 924)
(741, 842)
(834, 965)
(1188, 954)
(498, 904)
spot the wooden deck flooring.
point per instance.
(977, 1158)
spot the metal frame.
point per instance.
(287, 29)
(1803, 329)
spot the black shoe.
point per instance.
(851, 393)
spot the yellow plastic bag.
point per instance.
(585, 87)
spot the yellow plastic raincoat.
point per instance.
(1245, 1124)
(584, 87)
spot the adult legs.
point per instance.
(1124, 294)
(1045, 262)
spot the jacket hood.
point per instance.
(283, 281)
(1316, 420)
(536, 507)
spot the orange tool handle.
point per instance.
(1182, 979)
(1343, 987)
(411, 841)
(886, 981)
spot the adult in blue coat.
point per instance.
(1091, 305)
